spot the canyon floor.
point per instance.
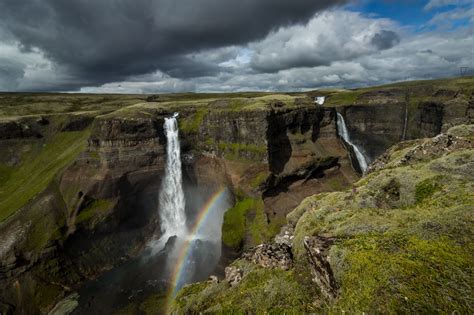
(306, 230)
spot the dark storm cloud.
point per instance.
(109, 40)
(385, 39)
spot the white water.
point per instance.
(320, 100)
(171, 201)
(344, 134)
(404, 135)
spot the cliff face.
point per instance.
(283, 153)
(101, 208)
(379, 120)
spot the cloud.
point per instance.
(450, 18)
(328, 37)
(158, 46)
(385, 39)
(157, 82)
(419, 56)
(11, 72)
(433, 4)
(106, 41)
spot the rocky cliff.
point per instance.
(378, 119)
(100, 205)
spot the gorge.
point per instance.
(144, 192)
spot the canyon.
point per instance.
(80, 180)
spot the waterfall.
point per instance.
(405, 123)
(171, 201)
(344, 134)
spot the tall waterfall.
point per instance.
(172, 202)
(344, 134)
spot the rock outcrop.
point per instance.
(270, 256)
(317, 248)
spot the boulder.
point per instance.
(233, 275)
(271, 256)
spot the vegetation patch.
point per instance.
(342, 98)
(426, 188)
(261, 291)
(260, 229)
(247, 221)
(398, 274)
(191, 124)
(5, 173)
(233, 228)
(38, 169)
(259, 179)
(241, 151)
(96, 208)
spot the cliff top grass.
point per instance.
(135, 105)
(217, 103)
(404, 242)
(423, 90)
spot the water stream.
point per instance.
(344, 134)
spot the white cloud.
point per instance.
(328, 37)
(442, 3)
(27, 70)
(447, 18)
(157, 82)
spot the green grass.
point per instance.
(405, 274)
(5, 173)
(233, 228)
(191, 124)
(239, 151)
(342, 98)
(260, 230)
(246, 221)
(94, 209)
(261, 291)
(426, 188)
(259, 179)
(38, 169)
(25, 104)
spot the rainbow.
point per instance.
(184, 253)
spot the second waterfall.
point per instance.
(344, 134)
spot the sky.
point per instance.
(163, 46)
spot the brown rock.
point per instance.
(317, 248)
(233, 275)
